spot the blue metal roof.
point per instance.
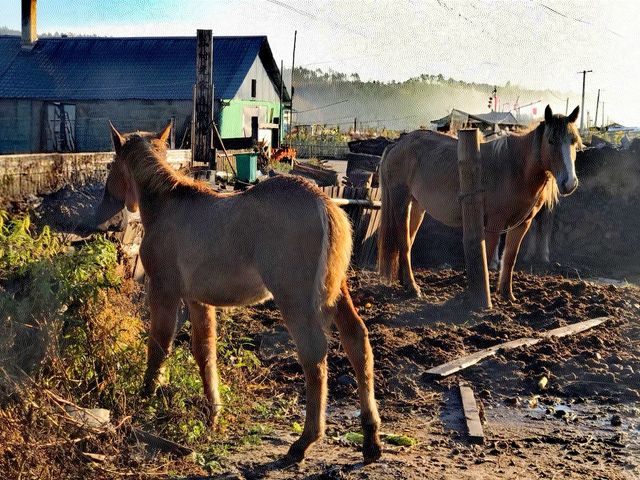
(146, 68)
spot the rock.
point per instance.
(89, 417)
(616, 421)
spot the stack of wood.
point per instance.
(323, 176)
(363, 165)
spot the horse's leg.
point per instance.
(163, 305)
(355, 340)
(203, 346)
(403, 234)
(545, 228)
(415, 220)
(306, 328)
(511, 247)
(491, 242)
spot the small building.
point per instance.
(487, 123)
(58, 94)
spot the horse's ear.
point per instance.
(163, 136)
(548, 114)
(118, 139)
(574, 115)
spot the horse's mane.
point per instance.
(146, 159)
(502, 149)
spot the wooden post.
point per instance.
(172, 137)
(280, 131)
(472, 202)
(203, 108)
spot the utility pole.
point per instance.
(566, 108)
(595, 121)
(603, 115)
(584, 81)
(293, 68)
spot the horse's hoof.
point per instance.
(371, 451)
(508, 297)
(213, 421)
(294, 455)
(413, 291)
(148, 390)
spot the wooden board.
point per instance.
(471, 414)
(574, 328)
(461, 363)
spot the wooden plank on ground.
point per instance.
(574, 328)
(471, 414)
(461, 363)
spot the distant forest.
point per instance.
(9, 31)
(335, 98)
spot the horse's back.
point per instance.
(425, 164)
(236, 249)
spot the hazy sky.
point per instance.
(534, 43)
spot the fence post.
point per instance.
(472, 202)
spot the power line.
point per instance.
(563, 15)
(578, 20)
(323, 106)
(313, 16)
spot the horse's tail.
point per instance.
(338, 246)
(388, 247)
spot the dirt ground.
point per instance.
(584, 424)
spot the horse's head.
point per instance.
(560, 142)
(120, 189)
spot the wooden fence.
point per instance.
(321, 150)
(364, 214)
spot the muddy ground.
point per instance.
(584, 424)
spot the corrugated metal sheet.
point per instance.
(497, 118)
(161, 68)
(492, 118)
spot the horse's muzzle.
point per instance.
(568, 187)
(110, 214)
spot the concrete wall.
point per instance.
(19, 125)
(38, 174)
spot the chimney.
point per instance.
(29, 35)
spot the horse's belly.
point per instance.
(225, 287)
(444, 209)
(438, 196)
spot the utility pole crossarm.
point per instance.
(584, 80)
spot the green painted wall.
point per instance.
(231, 115)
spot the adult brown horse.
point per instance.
(521, 172)
(283, 239)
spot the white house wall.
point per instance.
(264, 88)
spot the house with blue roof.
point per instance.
(58, 94)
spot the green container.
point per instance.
(247, 167)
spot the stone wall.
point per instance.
(25, 175)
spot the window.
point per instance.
(254, 87)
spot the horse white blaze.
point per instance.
(569, 166)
